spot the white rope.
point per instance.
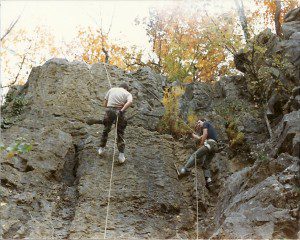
(111, 176)
(197, 207)
(107, 76)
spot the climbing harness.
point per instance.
(197, 206)
(111, 177)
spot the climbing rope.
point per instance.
(107, 76)
(111, 177)
(197, 206)
(113, 161)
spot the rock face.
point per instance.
(272, 66)
(264, 203)
(60, 188)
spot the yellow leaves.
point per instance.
(188, 45)
(23, 49)
(10, 155)
(85, 57)
(53, 50)
(97, 46)
(267, 9)
(188, 79)
(171, 121)
(192, 119)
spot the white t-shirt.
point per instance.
(117, 97)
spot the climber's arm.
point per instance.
(204, 136)
(105, 103)
(196, 136)
(127, 105)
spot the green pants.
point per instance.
(110, 118)
(203, 156)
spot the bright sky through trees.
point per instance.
(64, 17)
(192, 40)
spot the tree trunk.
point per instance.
(277, 18)
(11, 26)
(106, 55)
(243, 19)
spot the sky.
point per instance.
(64, 17)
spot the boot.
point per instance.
(183, 172)
(121, 158)
(101, 151)
(208, 182)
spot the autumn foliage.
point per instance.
(189, 45)
(189, 41)
(269, 9)
(172, 122)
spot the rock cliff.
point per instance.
(59, 189)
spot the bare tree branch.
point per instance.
(18, 54)
(106, 54)
(103, 35)
(242, 17)
(11, 26)
(277, 18)
(111, 20)
(20, 68)
(233, 51)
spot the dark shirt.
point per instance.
(212, 134)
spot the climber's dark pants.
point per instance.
(203, 157)
(109, 119)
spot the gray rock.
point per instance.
(291, 49)
(290, 28)
(261, 210)
(292, 15)
(286, 137)
(60, 188)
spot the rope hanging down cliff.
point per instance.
(197, 204)
(111, 177)
(107, 75)
(112, 165)
(112, 168)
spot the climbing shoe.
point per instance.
(183, 172)
(101, 151)
(208, 182)
(121, 158)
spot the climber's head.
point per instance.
(199, 123)
(125, 86)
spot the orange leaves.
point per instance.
(23, 49)
(267, 9)
(98, 47)
(188, 45)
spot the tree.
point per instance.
(241, 12)
(24, 49)
(274, 11)
(10, 28)
(96, 46)
(189, 45)
(277, 17)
